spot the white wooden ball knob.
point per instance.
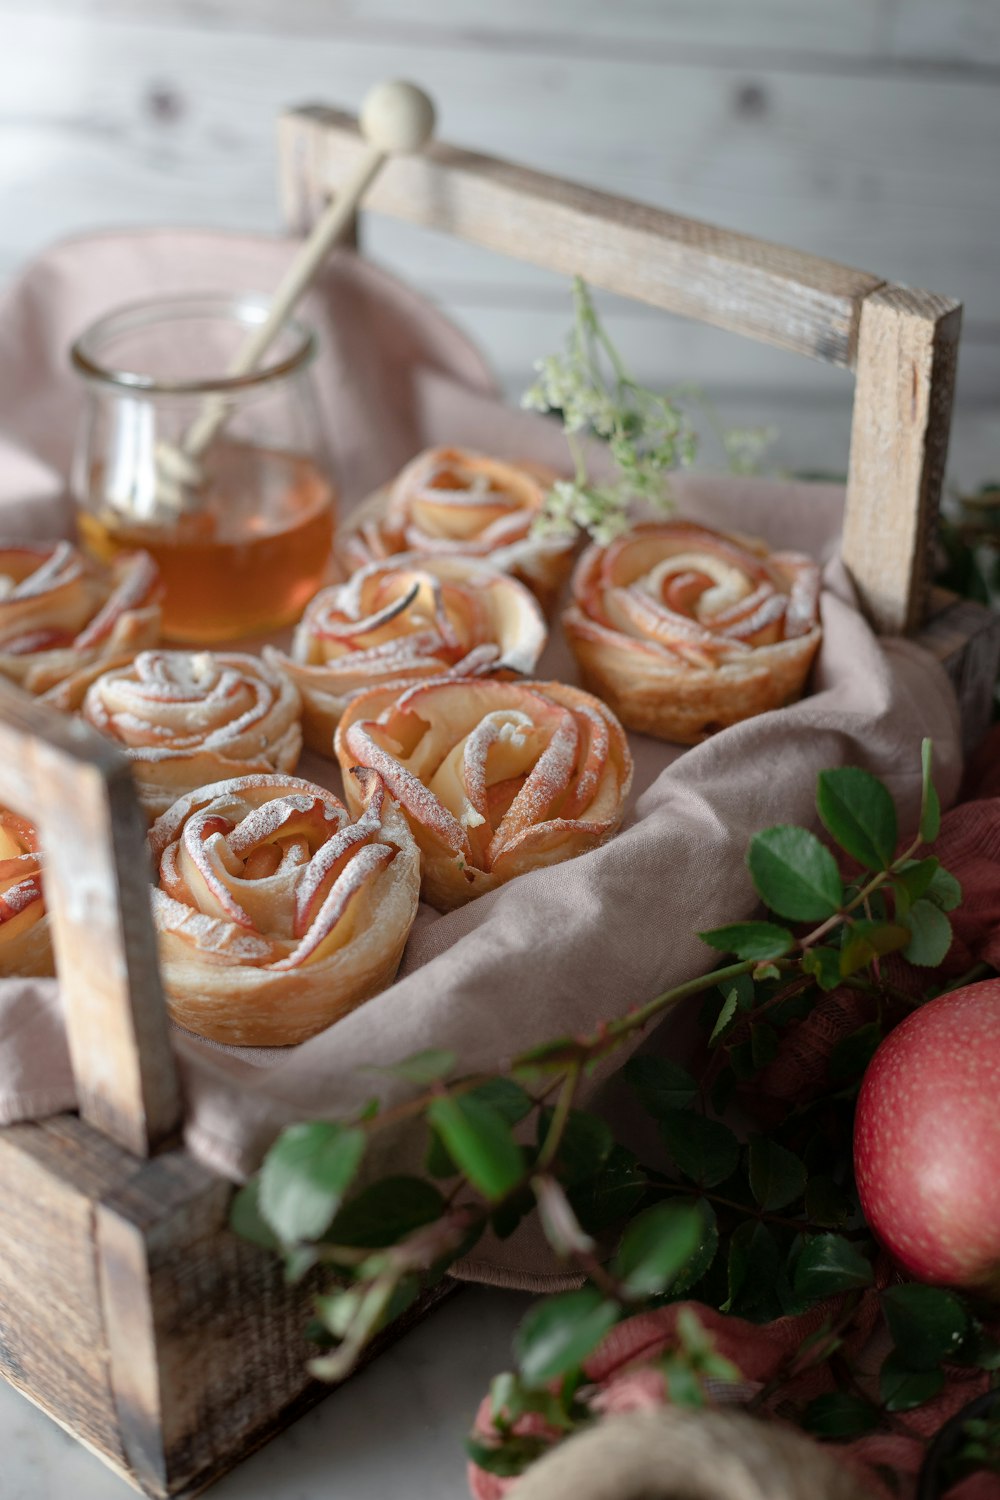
(397, 116)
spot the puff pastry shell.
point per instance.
(494, 778)
(683, 630)
(399, 621)
(188, 718)
(276, 913)
(64, 618)
(456, 502)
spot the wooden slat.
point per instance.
(768, 292)
(907, 353)
(965, 639)
(78, 790)
(52, 1343)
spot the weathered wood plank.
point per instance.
(52, 1343)
(965, 639)
(799, 302)
(78, 790)
(180, 130)
(905, 380)
(806, 32)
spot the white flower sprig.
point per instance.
(647, 434)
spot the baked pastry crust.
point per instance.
(451, 501)
(277, 914)
(188, 718)
(65, 618)
(25, 938)
(494, 778)
(399, 621)
(683, 630)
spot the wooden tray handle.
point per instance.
(78, 791)
(902, 343)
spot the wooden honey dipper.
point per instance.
(396, 118)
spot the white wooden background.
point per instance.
(865, 130)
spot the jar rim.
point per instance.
(247, 308)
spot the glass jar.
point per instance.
(241, 527)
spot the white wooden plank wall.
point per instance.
(865, 130)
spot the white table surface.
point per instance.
(397, 1429)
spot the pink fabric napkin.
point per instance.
(558, 949)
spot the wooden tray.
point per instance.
(130, 1313)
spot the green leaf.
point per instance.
(508, 1458)
(740, 985)
(705, 1254)
(657, 1247)
(305, 1176)
(741, 1061)
(914, 879)
(506, 1218)
(858, 811)
(824, 964)
(865, 941)
(757, 940)
(927, 1323)
(902, 1389)
(246, 1219)
(705, 1150)
(585, 1146)
(828, 1264)
(777, 1176)
(480, 1142)
(724, 1019)
(508, 1098)
(852, 1054)
(386, 1211)
(930, 935)
(754, 1261)
(437, 1162)
(826, 1203)
(930, 806)
(944, 890)
(557, 1335)
(840, 1416)
(613, 1193)
(659, 1084)
(420, 1068)
(795, 874)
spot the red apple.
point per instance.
(927, 1140)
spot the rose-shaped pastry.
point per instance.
(64, 618)
(495, 778)
(276, 914)
(25, 942)
(448, 500)
(187, 718)
(684, 630)
(403, 620)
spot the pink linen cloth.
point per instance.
(558, 949)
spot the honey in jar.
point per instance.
(243, 547)
(245, 556)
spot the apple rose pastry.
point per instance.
(403, 620)
(684, 630)
(276, 914)
(451, 501)
(187, 718)
(64, 618)
(493, 777)
(25, 943)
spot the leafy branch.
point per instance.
(760, 1224)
